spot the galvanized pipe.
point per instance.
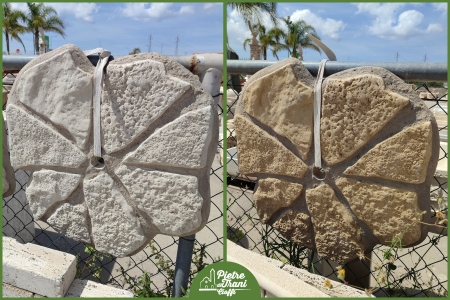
(183, 265)
(420, 71)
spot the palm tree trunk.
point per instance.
(7, 41)
(36, 42)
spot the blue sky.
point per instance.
(120, 27)
(372, 32)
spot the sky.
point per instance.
(361, 32)
(120, 27)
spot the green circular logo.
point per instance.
(224, 279)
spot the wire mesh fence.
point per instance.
(419, 271)
(147, 273)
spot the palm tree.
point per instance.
(136, 50)
(266, 39)
(11, 26)
(45, 17)
(252, 12)
(295, 36)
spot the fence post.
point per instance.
(183, 265)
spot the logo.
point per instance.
(225, 279)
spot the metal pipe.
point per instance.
(183, 265)
(420, 71)
(211, 83)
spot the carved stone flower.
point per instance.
(158, 131)
(379, 147)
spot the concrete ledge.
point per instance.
(37, 269)
(90, 289)
(9, 291)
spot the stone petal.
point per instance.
(47, 187)
(284, 103)
(353, 111)
(33, 143)
(61, 91)
(295, 226)
(69, 219)
(409, 151)
(338, 236)
(258, 152)
(115, 226)
(388, 212)
(135, 94)
(273, 194)
(172, 201)
(166, 147)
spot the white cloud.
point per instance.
(158, 11)
(388, 23)
(326, 27)
(211, 6)
(442, 7)
(81, 11)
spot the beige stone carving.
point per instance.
(258, 152)
(296, 226)
(353, 110)
(281, 101)
(273, 194)
(396, 151)
(389, 212)
(337, 234)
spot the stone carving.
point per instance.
(379, 147)
(159, 133)
(8, 178)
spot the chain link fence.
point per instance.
(419, 271)
(147, 273)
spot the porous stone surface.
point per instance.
(8, 178)
(40, 145)
(172, 201)
(353, 110)
(334, 227)
(281, 101)
(48, 187)
(9, 291)
(370, 201)
(379, 161)
(155, 117)
(273, 194)
(377, 136)
(131, 102)
(186, 151)
(37, 269)
(259, 152)
(90, 289)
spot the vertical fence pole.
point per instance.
(183, 265)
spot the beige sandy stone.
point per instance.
(295, 226)
(281, 101)
(258, 152)
(39, 144)
(8, 177)
(409, 151)
(167, 147)
(337, 235)
(389, 212)
(354, 109)
(115, 226)
(131, 101)
(273, 194)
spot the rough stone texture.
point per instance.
(258, 152)
(131, 102)
(284, 103)
(389, 212)
(295, 226)
(9, 291)
(63, 95)
(379, 161)
(188, 151)
(33, 143)
(90, 289)
(8, 178)
(115, 226)
(48, 187)
(337, 235)
(273, 194)
(147, 97)
(172, 201)
(353, 111)
(37, 269)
